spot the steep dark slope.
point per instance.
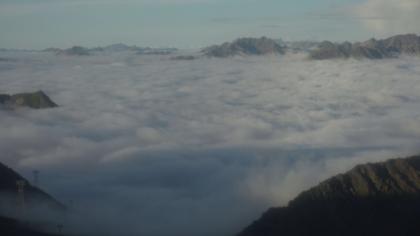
(372, 199)
(31, 218)
(33, 195)
(395, 46)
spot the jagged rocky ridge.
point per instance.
(372, 199)
(395, 46)
(36, 100)
(245, 46)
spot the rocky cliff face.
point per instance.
(371, 199)
(245, 46)
(408, 44)
(36, 100)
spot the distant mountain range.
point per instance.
(119, 47)
(395, 46)
(408, 44)
(372, 199)
(74, 51)
(83, 51)
(36, 100)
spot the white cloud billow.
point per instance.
(206, 145)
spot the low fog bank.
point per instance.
(145, 144)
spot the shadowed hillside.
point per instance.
(30, 217)
(371, 199)
(11, 227)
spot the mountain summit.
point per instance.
(372, 199)
(245, 46)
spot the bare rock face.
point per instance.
(395, 46)
(371, 199)
(36, 100)
(245, 46)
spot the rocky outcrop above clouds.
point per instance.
(35, 100)
(245, 46)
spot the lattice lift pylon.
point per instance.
(21, 197)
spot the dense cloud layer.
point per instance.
(152, 145)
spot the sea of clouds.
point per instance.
(153, 146)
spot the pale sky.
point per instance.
(38, 24)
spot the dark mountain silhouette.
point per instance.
(118, 47)
(36, 100)
(395, 46)
(28, 219)
(74, 51)
(113, 48)
(54, 50)
(245, 46)
(372, 199)
(184, 58)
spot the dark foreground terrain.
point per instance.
(372, 199)
(11, 227)
(29, 219)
